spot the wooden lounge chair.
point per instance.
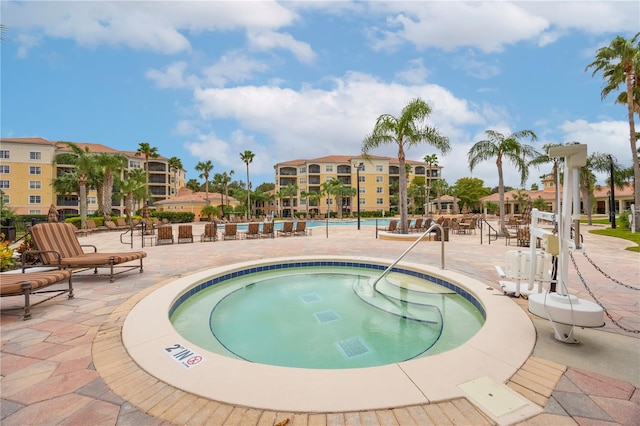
(267, 230)
(121, 223)
(185, 233)
(21, 284)
(253, 231)
(393, 226)
(301, 228)
(111, 225)
(287, 229)
(165, 235)
(210, 232)
(417, 226)
(230, 231)
(58, 245)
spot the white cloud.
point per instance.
(233, 66)
(172, 76)
(268, 40)
(415, 72)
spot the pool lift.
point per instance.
(563, 310)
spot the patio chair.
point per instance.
(58, 245)
(230, 231)
(165, 235)
(267, 230)
(393, 226)
(111, 225)
(509, 235)
(287, 229)
(210, 232)
(121, 223)
(19, 284)
(253, 231)
(417, 226)
(301, 229)
(185, 233)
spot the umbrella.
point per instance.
(52, 216)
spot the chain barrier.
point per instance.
(607, 275)
(584, 283)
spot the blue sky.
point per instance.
(208, 80)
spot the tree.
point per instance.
(205, 167)
(595, 162)
(619, 63)
(193, 185)
(110, 166)
(175, 165)
(407, 130)
(503, 147)
(290, 191)
(431, 160)
(147, 151)
(247, 157)
(469, 191)
(133, 187)
(209, 212)
(84, 164)
(441, 187)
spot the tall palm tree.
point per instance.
(225, 180)
(110, 166)
(441, 187)
(619, 63)
(501, 148)
(205, 167)
(290, 191)
(147, 151)
(132, 187)
(175, 165)
(596, 162)
(247, 157)
(431, 160)
(406, 131)
(84, 164)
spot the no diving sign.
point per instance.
(184, 355)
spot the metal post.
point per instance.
(358, 194)
(612, 202)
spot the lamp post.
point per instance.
(358, 191)
(612, 202)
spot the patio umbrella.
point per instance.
(52, 216)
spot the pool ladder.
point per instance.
(433, 226)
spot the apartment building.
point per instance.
(378, 182)
(27, 169)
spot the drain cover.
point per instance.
(352, 347)
(326, 316)
(310, 298)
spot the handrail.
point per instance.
(129, 230)
(415, 243)
(491, 228)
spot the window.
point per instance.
(4, 153)
(329, 201)
(6, 198)
(35, 212)
(379, 201)
(135, 164)
(4, 184)
(5, 169)
(361, 200)
(35, 199)
(92, 200)
(35, 184)
(379, 190)
(303, 170)
(379, 168)
(35, 170)
(303, 180)
(328, 168)
(379, 179)
(363, 190)
(35, 155)
(328, 179)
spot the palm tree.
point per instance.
(247, 157)
(175, 165)
(406, 131)
(504, 147)
(431, 160)
(205, 167)
(441, 186)
(84, 164)
(147, 151)
(132, 187)
(290, 191)
(619, 63)
(597, 162)
(110, 166)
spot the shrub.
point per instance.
(624, 219)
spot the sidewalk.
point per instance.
(48, 377)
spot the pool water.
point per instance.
(322, 318)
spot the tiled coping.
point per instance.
(497, 351)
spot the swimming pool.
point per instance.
(496, 351)
(300, 315)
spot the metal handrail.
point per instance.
(482, 220)
(415, 243)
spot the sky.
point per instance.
(208, 80)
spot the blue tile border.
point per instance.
(338, 263)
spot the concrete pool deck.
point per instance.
(58, 367)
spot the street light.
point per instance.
(612, 200)
(358, 190)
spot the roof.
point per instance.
(27, 140)
(188, 196)
(600, 192)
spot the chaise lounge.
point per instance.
(19, 284)
(57, 245)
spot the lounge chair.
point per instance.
(393, 226)
(417, 226)
(230, 231)
(253, 230)
(210, 232)
(267, 230)
(301, 228)
(287, 229)
(19, 284)
(185, 233)
(165, 235)
(58, 245)
(121, 223)
(111, 225)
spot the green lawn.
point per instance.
(621, 233)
